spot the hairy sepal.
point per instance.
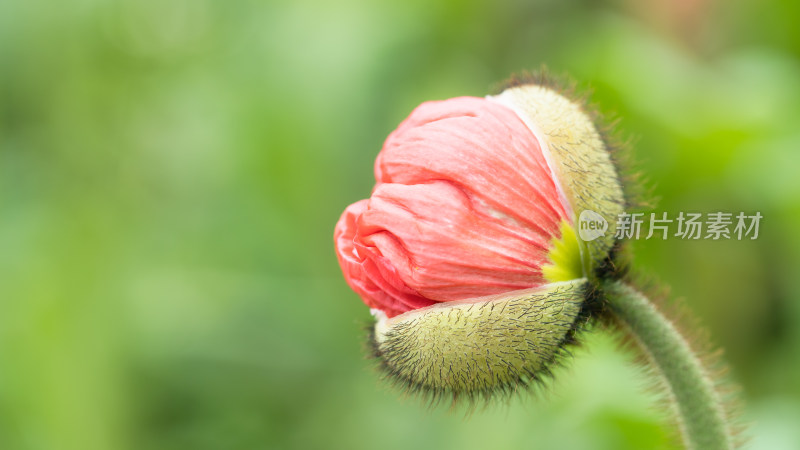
(481, 346)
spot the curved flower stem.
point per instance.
(696, 401)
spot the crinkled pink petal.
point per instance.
(464, 206)
(371, 278)
(481, 146)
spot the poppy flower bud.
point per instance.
(467, 251)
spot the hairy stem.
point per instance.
(698, 405)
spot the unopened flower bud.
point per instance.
(467, 250)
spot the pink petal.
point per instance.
(483, 147)
(465, 206)
(365, 276)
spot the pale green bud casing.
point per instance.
(480, 345)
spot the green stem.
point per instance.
(697, 403)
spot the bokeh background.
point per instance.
(171, 172)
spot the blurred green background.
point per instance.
(171, 172)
